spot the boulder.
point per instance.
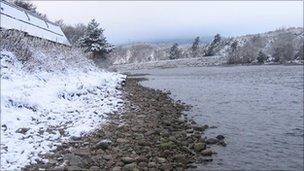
(199, 147)
(212, 141)
(220, 137)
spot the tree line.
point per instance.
(175, 52)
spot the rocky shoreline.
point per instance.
(151, 133)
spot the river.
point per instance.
(259, 109)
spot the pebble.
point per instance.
(127, 160)
(94, 168)
(130, 167)
(222, 143)
(152, 165)
(207, 152)
(116, 168)
(22, 130)
(161, 160)
(103, 144)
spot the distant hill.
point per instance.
(276, 46)
(204, 40)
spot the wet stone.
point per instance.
(212, 141)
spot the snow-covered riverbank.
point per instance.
(42, 108)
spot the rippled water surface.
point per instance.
(259, 109)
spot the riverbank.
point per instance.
(151, 133)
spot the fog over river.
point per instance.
(259, 109)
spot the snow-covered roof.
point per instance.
(14, 17)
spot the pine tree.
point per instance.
(174, 52)
(261, 57)
(93, 41)
(195, 46)
(213, 44)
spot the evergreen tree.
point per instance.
(261, 57)
(93, 40)
(174, 52)
(213, 44)
(195, 46)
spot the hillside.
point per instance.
(272, 44)
(49, 93)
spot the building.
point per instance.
(13, 17)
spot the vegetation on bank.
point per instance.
(275, 47)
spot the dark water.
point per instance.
(259, 109)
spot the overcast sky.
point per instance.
(154, 20)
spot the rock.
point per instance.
(22, 130)
(58, 168)
(94, 168)
(152, 165)
(207, 152)
(222, 143)
(198, 128)
(212, 141)
(213, 127)
(74, 168)
(143, 143)
(190, 131)
(127, 160)
(192, 121)
(103, 144)
(207, 160)
(142, 164)
(206, 127)
(199, 147)
(107, 157)
(161, 160)
(4, 127)
(116, 168)
(167, 145)
(180, 158)
(82, 151)
(130, 167)
(74, 138)
(141, 159)
(122, 140)
(75, 160)
(220, 137)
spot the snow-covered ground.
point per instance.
(184, 62)
(40, 109)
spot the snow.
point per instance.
(75, 101)
(16, 18)
(182, 62)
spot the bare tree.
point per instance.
(283, 49)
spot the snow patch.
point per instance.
(41, 109)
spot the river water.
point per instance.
(259, 109)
